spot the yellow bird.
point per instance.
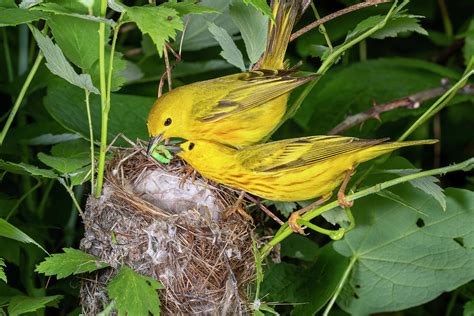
(288, 170)
(239, 109)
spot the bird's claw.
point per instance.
(292, 222)
(188, 171)
(343, 202)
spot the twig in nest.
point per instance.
(413, 101)
(263, 208)
(336, 14)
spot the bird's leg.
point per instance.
(236, 207)
(188, 171)
(266, 210)
(295, 216)
(341, 196)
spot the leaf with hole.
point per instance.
(405, 259)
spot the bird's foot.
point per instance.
(293, 223)
(188, 172)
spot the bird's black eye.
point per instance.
(168, 121)
(191, 146)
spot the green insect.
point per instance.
(156, 153)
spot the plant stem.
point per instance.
(285, 231)
(20, 200)
(322, 27)
(45, 198)
(340, 285)
(441, 102)
(448, 26)
(20, 97)
(363, 50)
(6, 51)
(72, 195)
(91, 138)
(103, 99)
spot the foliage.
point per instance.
(71, 89)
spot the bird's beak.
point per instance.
(175, 149)
(153, 142)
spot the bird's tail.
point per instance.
(285, 13)
(383, 148)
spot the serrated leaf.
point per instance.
(229, 52)
(468, 49)
(426, 184)
(336, 216)
(9, 231)
(159, 22)
(25, 304)
(398, 199)
(70, 10)
(253, 27)
(3, 276)
(22, 168)
(72, 261)
(404, 259)
(262, 6)
(16, 16)
(134, 294)
(397, 25)
(58, 64)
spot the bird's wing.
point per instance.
(246, 91)
(300, 152)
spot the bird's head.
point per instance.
(166, 118)
(203, 153)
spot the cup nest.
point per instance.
(182, 233)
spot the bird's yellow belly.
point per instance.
(291, 185)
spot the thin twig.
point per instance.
(336, 14)
(168, 68)
(413, 101)
(263, 208)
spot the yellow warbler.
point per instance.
(287, 170)
(239, 109)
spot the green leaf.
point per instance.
(9, 231)
(72, 261)
(308, 289)
(25, 304)
(197, 34)
(230, 52)
(70, 9)
(429, 184)
(63, 164)
(26, 4)
(184, 8)
(468, 49)
(404, 259)
(23, 168)
(159, 22)
(119, 67)
(78, 39)
(3, 276)
(405, 23)
(285, 208)
(58, 64)
(299, 247)
(127, 115)
(7, 4)
(253, 27)
(260, 5)
(134, 294)
(469, 309)
(16, 16)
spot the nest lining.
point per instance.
(180, 236)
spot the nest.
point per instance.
(181, 235)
